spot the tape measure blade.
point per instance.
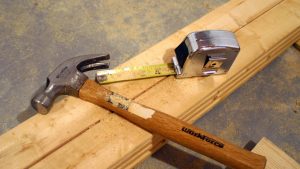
(134, 73)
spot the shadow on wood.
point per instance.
(180, 159)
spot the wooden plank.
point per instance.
(42, 135)
(232, 16)
(297, 44)
(272, 42)
(145, 153)
(249, 72)
(276, 158)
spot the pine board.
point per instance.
(84, 132)
(248, 71)
(265, 56)
(276, 158)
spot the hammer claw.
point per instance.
(93, 66)
(92, 62)
(68, 78)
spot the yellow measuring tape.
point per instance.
(134, 72)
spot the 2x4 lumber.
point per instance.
(276, 158)
(231, 16)
(162, 96)
(255, 66)
(40, 136)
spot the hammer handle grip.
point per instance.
(172, 128)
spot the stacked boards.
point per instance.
(79, 134)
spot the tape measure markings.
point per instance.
(134, 73)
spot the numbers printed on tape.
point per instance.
(134, 72)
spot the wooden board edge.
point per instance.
(276, 158)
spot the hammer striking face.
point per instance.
(67, 79)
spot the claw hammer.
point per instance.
(68, 79)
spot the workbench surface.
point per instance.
(37, 35)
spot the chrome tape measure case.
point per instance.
(205, 53)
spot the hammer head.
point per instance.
(67, 79)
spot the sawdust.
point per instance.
(60, 20)
(296, 107)
(41, 4)
(22, 24)
(230, 132)
(1, 18)
(17, 20)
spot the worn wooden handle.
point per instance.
(172, 128)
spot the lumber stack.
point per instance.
(79, 134)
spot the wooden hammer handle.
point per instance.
(172, 128)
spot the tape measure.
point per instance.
(134, 73)
(201, 53)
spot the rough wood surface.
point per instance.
(276, 158)
(172, 128)
(91, 137)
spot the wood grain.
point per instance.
(172, 128)
(91, 137)
(276, 158)
(250, 61)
